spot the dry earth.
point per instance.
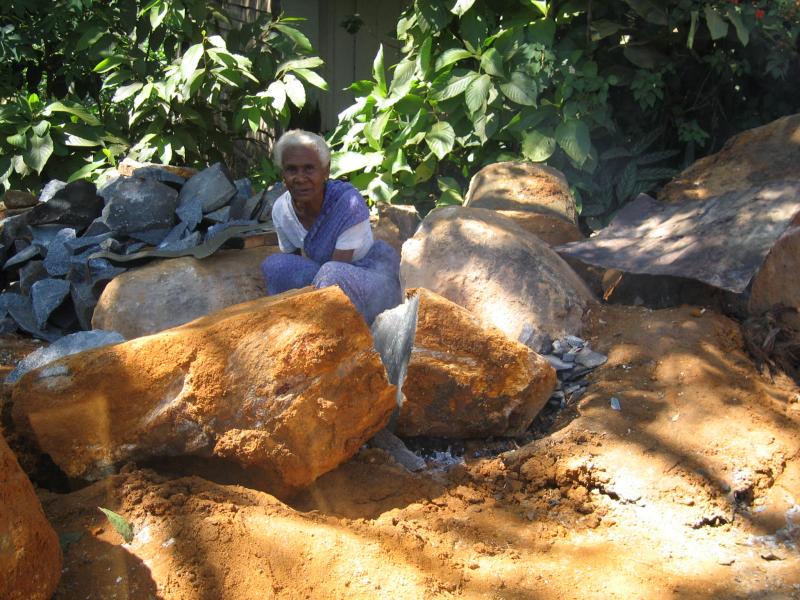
(691, 490)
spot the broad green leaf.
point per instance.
(477, 94)
(300, 40)
(41, 128)
(403, 79)
(216, 41)
(433, 15)
(716, 26)
(78, 111)
(108, 63)
(39, 150)
(311, 62)
(603, 28)
(462, 6)
(295, 90)
(520, 89)
(375, 128)
(378, 70)
(742, 32)
(157, 14)
(692, 29)
(492, 63)
(143, 95)
(89, 37)
(119, 523)
(190, 60)
(440, 139)
(645, 57)
(574, 138)
(626, 182)
(18, 140)
(649, 10)
(399, 163)
(537, 146)
(455, 86)
(381, 190)
(312, 78)
(542, 32)
(450, 56)
(425, 169)
(253, 117)
(424, 58)
(126, 91)
(541, 5)
(86, 170)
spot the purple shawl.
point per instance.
(342, 207)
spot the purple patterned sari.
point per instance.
(372, 283)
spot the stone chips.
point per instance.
(290, 384)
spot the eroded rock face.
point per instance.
(522, 186)
(290, 384)
(507, 277)
(753, 157)
(171, 292)
(396, 223)
(776, 284)
(466, 380)
(30, 557)
(553, 231)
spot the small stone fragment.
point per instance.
(23, 256)
(558, 364)
(221, 215)
(615, 403)
(69, 344)
(29, 274)
(19, 199)
(46, 296)
(190, 214)
(211, 188)
(589, 358)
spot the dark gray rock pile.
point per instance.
(59, 252)
(573, 359)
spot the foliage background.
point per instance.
(618, 94)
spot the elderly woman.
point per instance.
(324, 232)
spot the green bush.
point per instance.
(84, 82)
(617, 94)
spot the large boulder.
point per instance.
(553, 231)
(506, 276)
(289, 384)
(522, 186)
(396, 223)
(467, 380)
(170, 292)
(756, 156)
(30, 556)
(773, 286)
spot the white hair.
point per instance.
(297, 138)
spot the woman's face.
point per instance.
(304, 175)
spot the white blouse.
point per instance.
(292, 234)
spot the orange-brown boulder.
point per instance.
(756, 156)
(173, 291)
(553, 231)
(396, 223)
(466, 380)
(522, 186)
(30, 556)
(776, 284)
(290, 384)
(506, 276)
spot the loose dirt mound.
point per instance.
(689, 491)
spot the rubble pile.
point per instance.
(59, 251)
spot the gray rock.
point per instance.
(221, 215)
(184, 243)
(389, 442)
(558, 364)
(106, 190)
(568, 357)
(244, 208)
(67, 345)
(14, 228)
(21, 310)
(46, 296)
(111, 245)
(176, 233)
(85, 241)
(393, 336)
(156, 173)
(84, 300)
(97, 227)
(23, 256)
(50, 189)
(43, 235)
(139, 204)
(152, 237)
(217, 229)
(190, 213)
(76, 204)
(575, 341)
(135, 247)
(29, 274)
(268, 199)
(211, 188)
(57, 261)
(7, 325)
(19, 199)
(244, 188)
(101, 269)
(590, 359)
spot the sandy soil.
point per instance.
(691, 490)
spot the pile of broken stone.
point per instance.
(59, 250)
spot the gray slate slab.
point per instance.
(50, 189)
(722, 241)
(46, 296)
(20, 257)
(161, 174)
(97, 227)
(57, 261)
(211, 188)
(84, 299)
(221, 215)
(190, 241)
(152, 237)
(86, 241)
(138, 204)
(190, 213)
(76, 204)
(66, 346)
(29, 274)
(393, 333)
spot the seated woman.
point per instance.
(324, 232)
